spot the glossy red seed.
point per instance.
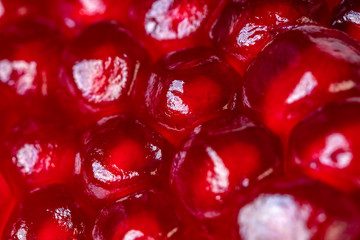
(98, 70)
(297, 209)
(220, 160)
(246, 27)
(166, 26)
(120, 156)
(29, 58)
(303, 69)
(143, 215)
(37, 153)
(325, 145)
(46, 214)
(347, 18)
(185, 89)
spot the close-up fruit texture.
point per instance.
(179, 119)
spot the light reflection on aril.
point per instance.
(275, 217)
(27, 157)
(134, 234)
(250, 34)
(304, 88)
(18, 74)
(337, 152)
(219, 177)
(175, 102)
(92, 7)
(167, 20)
(101, 80)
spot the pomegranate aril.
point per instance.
(325, 145)
(29, 58)
(291, 208)
(120, 156)
(221, 160)
(142, 215)
(301, 70)
(37, 154)
(47, 214)
(185, 89)
(245, 27)
(347, 18)
(166, 26)
(98, 70)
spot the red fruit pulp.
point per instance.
(297, 208)
(246, 27)
(185, 89)
(46, 214)
(220, 160)
(37, 154)
(13, 10)
(301, 70)
(347, 18)
(143, 215)
(324, 145)
(166, 26)
(29, 57)
(120, 156)
(98, 70)
(7, 202)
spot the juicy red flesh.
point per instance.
(46, 214)
(143, 215)
(301, 70)
(37, 154)
(166, 26)
(12, 10)
(220, 160)
(179, 119)
(245, 27)
(120, 156)
(185, 89)
(29, 58)
(347, 18)
(290, 208)
(7, 202)
(324, 145)
(98, 70)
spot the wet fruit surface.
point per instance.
(221, 159)
(347, 18)
(98, 70)
(29, 58)
(46, 214)
(179, 120)
(292, 208)
(37, 154)
(324, 145)
(246, 27)
(120, 156)
(184, 91)
(303, 69)
(171, 25)
(143, 215)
